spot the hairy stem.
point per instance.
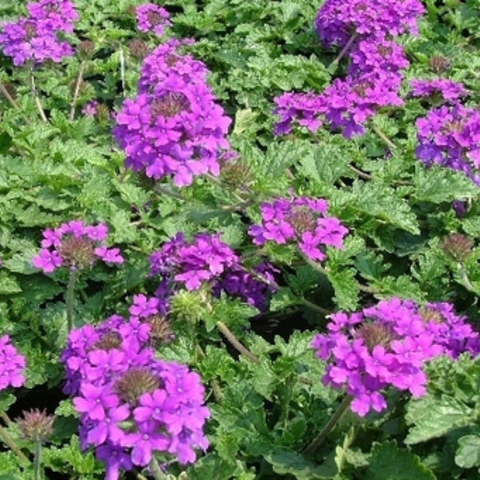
(76, 92)
(37, 461)
(217, 392)
(6, 419)
(70, 298)
(12, 101)
(344, 50)
(156, 470)
(34, 91)
(12, 445)
(320, 438)
(382, 135)
(236, 344)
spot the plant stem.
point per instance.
(344, 50)
(7, 95)
(70, 297)
(33, 88)
(236, 344)
(320, 438)
(156, 470)
(464, 280)
(76, 92)
(37, 461)
(382, 135)
(217, 392)
(162, 189)
(315, 307)
(361, 174)
(12, 445)
(6, 419)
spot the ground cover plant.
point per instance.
(239, 239)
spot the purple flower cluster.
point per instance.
(35, 38)
(302, 220)
(337, 20)
(151, 17)
(132, 404)
(450, 136)
(207, 260)
(12, 365)
(173, 127)
(365, 28)
(388, 345)
(441, 88)
(76, 246)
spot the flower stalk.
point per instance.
(4, 435)
(37, 461)
(76, 92)
(70, 298)
(34, 91)
(236, 343)
(334, 419)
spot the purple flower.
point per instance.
(131, 404)
(450, 137)
(75, 245)
(388, 345)
(337, 21)
(302, 220)
(34, 38)
(174, 126)
(151, 17)
(445, 89)
(12, 365)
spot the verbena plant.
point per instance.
(238, 239)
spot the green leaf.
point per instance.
(346, 288)
(383, 203)
(438, 185)
(388, 462)
(286, 462)
(468, 452)
(325, 165)
(433, 417)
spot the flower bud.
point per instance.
(78, 252)
(160, 330)
(134, 383)
(438, 64)
(138, 49)
(457, 247)
(374, 334)
(236, 174)
(302, 219)
(86, 49)
(103, 112)
(36, 425)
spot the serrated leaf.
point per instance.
(325, 165)
(382, 202)
(346, 288)
(286, 462)
(438, 185)
(468, 452)
(433, 417)
(388, 462)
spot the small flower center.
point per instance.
(78, 252)
(302, 219)
(134, 383)
(169, 105)
(155, 18)
(374, 334)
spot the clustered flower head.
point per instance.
(173, 127)
(439, 88)
(337, 20)
(208, 261)
(388, 345)
(36, 425)
(35, 38)
(132, 404)
(366, 29)
(76, 246)
(12, 365)
(151, 17)
(450, 137)
(302, 220)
